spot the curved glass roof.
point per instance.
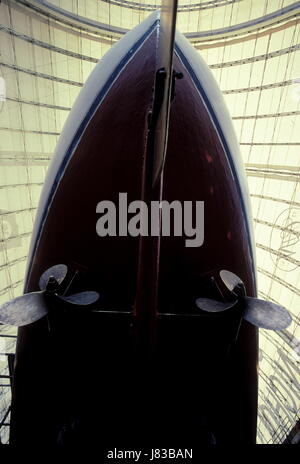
(48, 49)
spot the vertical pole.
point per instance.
(145, 310)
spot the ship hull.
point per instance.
(86, 380)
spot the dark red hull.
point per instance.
(91, 374)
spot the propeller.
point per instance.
(261, 313)
(230, 280)
(24, 309)
(266, 315)
(31, 307)
(82, 298)
(58, 272)
(213, 306)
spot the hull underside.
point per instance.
(86, 382)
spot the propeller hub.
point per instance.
(52, 285)
(239, 290)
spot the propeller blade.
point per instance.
(59, 272)
(82, 298)
(214, 306)
(24, 309)
(266, 315)
(230, 280)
